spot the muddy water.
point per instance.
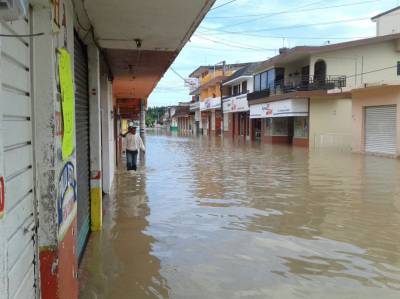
(205, 218)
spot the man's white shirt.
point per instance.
(134, 142)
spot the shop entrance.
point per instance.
(256, 129)
(290, 127)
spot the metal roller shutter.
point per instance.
(380, 129)
(82, 142)
(18, 261)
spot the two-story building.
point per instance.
(341, 95)
(235, 107)
(210, 94)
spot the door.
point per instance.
(380, 129)
(290, 130)
(82, 143)
(18, 237)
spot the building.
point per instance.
(342, 95)
(183, 117)
(236, 110)
(69, 73)
(210, 94)
(387, 22)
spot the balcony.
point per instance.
(235, 95)
(311, 83)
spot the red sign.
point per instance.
(2, 196)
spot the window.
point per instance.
(271, 79)
(257, 82)
(264, 79)
(244, 87)
(301, 127)
(280, 126)
(236, 89)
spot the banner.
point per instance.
(67, 100)
(285, 108)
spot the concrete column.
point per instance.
(142, 117)
(95, 138)
(57, 229)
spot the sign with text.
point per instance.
(236, 104)
(67, 100)
(210, 104)
(286, 108)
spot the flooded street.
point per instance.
(209, 218)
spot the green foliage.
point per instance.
(154, 115)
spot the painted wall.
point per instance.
(108, 143)
(357, 60)
(388, 24)
(389, 95)
(330, 123)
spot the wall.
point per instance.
(295, 67)
(388, 95)
(330, 123)
(388, 24)
(357, 60)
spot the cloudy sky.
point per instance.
(254, 30)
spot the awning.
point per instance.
(285, 108)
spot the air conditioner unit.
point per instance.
(11, 10)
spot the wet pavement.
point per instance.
(206, 218)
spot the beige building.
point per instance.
(328, 96)
(388, 22)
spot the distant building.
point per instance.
(388, 22)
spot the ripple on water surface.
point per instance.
(206, 218)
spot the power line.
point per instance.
(293, 37)
(292, 10)
(176, 73)
(240, 46)
(222, 5)
(291, 27)
(282, 12)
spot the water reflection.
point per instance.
(224, 219)
(118, 262)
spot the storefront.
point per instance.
(211, 115)
(236, 109)
(284, 122)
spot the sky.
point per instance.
(240, 31)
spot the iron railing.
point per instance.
(308, 83)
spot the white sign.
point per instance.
(210, 104)
(192, 83)
(286, 108)
(236, 104)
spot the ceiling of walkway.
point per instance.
(163, 27)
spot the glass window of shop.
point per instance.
(280, 126)
(271, 78)
(267, 126)
(301, 127)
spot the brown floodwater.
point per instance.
(211, 218)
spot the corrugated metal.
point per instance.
(17, 256)
(82, 142)
(380, 129)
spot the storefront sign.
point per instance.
(210, 103)
(66, 199)
(236, 104)
(286, 108)
(67, 100)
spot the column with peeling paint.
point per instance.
(95, 138)
(57, 240)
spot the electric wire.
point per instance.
(22, 35)
(294, 11)
(222, 5)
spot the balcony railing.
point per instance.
(301, 84)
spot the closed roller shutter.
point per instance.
(17, 227)
(82, 142)
(380, 129)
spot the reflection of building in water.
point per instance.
(119, 262)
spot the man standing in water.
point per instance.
(133, 145)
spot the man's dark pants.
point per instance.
(131, 159)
